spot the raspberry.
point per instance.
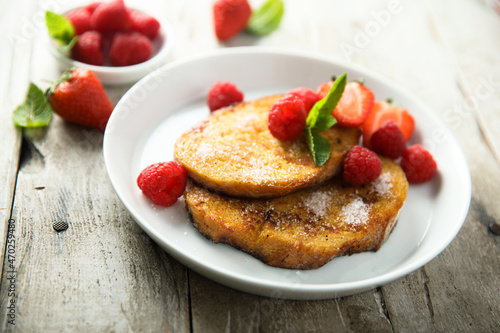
(388, 140)
(144, 23)
(80, 18)
(110, 17)
(88, 49)
(307, 96)
(223, 94)
(287, 117)
(361, 166)
(418, 164)
(130, 48)
(163, 183)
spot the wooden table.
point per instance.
(104, 274)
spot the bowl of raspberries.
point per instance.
(118, 43)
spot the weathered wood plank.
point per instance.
(103, 273)
(16, 53)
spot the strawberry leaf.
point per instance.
(320, 119)
(59, 27)
(35, 111)
(266, 19)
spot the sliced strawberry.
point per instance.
(381, 114)
(354, 105)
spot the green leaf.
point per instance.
(35, 111)
(320, 119)
(322, 110)
(59, 27)
(267, 18)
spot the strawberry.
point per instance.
(144, 23)
(80, 98)
(80, 18)
(355, 104)
(130, 48)
(110, 17)
(381, 114)
(230, 17)
(88, 49)
(91, 7)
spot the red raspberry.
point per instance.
(307, 96)
(130, 48)
(287, 117)
(361, 166)
(389, 140)
(163, 183)
(110, 17)
(88, 49)
(80, 18)
(144, 23)
(418, 164)
(223, 94)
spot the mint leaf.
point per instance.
(59, 27)
(320, 119)
(35, 111)
(266, 19)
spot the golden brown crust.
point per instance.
(234, 153)
(305, 229)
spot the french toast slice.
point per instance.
(308, 228)
(234, 153)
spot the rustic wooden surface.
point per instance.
(104, 274)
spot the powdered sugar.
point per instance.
(318, 202)
(355, 213)
(382, 185)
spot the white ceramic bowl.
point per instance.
(111, 75)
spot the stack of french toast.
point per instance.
(268, 198)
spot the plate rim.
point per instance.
(262, 286)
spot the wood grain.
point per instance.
(105, 274)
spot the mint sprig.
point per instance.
(62, 30)
(320, 119)
(266, 19)
(35, 110)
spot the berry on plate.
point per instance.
(361, 166)
(163, 182)
(222, 94)
(382, 112)
(80, 98)
(388, 140)
(88, 49)
(307, 96)
(110, 17)
(230, 17)
(355, 104)
(130, 48)
(287, 117)
(418, 164)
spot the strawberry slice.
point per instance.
(381, 114)
(355, 104)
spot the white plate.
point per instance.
(159, 108)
